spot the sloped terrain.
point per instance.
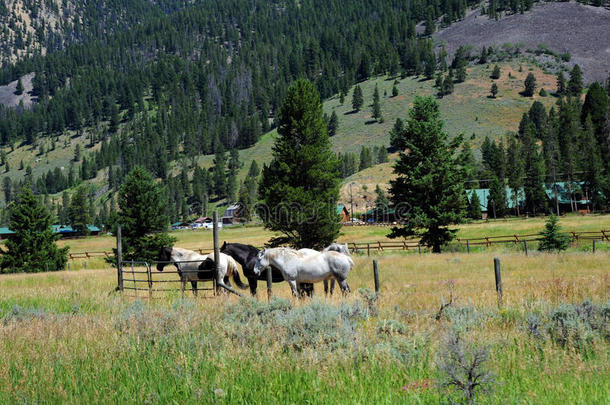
(562, 27)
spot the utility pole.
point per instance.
(351, 197)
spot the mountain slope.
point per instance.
(580, 30)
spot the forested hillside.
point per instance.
(169, 82)
(42, 26)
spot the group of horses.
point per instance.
(300, 268)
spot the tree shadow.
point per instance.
(369, 122)
(350, 112)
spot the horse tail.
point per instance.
(234, 272)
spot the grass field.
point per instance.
(68, 337)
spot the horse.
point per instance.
(306, 267)
(194, 269)
(245, 255)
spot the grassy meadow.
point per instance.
(68, 337)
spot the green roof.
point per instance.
(340, 208)
(5, 231)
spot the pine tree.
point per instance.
(460, 74)
(552, 238)
(303, 176)
(474, 206)
(77, 153)
(495, 74)
(382, 205)
(19, 89)
(376, 105)
(366, 159)
(496, 201)
(535, 197)
(592, 166)
(78, 213)
(494, 90)
(396, 135)
(394, 91)
(32, 248)
(596, 107)
(357, 98)
(333, 124)
(514, 172)
(530, 85)
(142, 216)
(429, 178)
(561, 84)
(575, 84)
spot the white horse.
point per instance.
(194, 267)
(335, 247)
(306, 267)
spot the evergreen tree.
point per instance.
(376, 105)
(300, 187)
(494, 90)
(535, 197)
(7, 186)
(19, 89)
(366, 159)
(32, 248)
(496, 201)
(514, 172)
(596, 107)
(77, 153)
(333, 124)
(357, 98)
(78, 213)
(394, 91)
(341, 97)
(552, 238)
(460, 74)
(429, 178)
(382, 205)
(142, 216)
(575, 84)
(594, 183)
(396, 135)
(495, 74)
(561, 84)
(474, 206)
(530, 85)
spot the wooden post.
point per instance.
(150, 283)
(119, 258)
(68, 266)
(269, 284)
(593, 245)
(368, 249)
(419, 248)
(525, 246)
(133, 277)
(376, 275)
(85, 265)
(498, 280)
(216, 248)
(468, 245)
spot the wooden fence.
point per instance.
(382, 246)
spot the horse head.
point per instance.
(224, 247)
(164, 258)
(261, 262)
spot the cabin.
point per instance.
(343, 213)
(201, 222)
(5, 233)
(231, 215)
(569, 198)
(66, 231)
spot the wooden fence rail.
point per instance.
(380, 247)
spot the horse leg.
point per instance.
(293, 287)
(253, 283)
(332, 286)
(194, 287)
(182, 286)
(227, 281)
(325, 287)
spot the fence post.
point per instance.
(150, 282)
(119, 258)
(376, 275)
(525, 246)
(269, 284)
(498, 280)
(68, 266)
(593, 245)
(216, 248)
(419, 248)
(368, 249)
(85, 265)
(468, 245)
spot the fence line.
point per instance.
(379, 246)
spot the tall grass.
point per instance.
(68, 337)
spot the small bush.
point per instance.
(391, 327)
(533, 325)
(370, 298)
(20, 314)
(462, 367)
